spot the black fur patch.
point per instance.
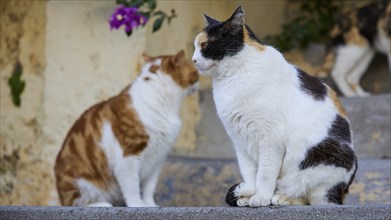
(353, 174)
(340, 130)
(230, 198)
(312, 85)
(337, 193)
(222, 41)
(368, 17)
(334, 149)
(329, 152)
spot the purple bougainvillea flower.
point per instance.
(130, 17)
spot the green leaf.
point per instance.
(120, 2)
(135, 3)
(162, 13)
(158, 24)
(152, 4)
(16, 84)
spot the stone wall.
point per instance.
(22, 167)
(71, 60)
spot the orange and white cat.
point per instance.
(113, 154)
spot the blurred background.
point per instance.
(60, 57)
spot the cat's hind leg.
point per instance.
(328, 195)
(347, 58)
(281, 199)
(358, 71)
(90, 194)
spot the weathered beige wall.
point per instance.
(23, 171)
(72, 60)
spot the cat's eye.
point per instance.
(204, 45)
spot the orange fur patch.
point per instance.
(333, 95)
(81, 155)
(153, 68)
(202, 37)
(251, 42)
(182, 71)
(353, 36)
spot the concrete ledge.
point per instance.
(273, 212)
(195, 182)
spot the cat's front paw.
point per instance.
(136, 204)
(244, 189)
(151, 204)
(258, 201)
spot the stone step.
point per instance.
(194, 213)
(204, 182)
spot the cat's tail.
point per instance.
(328, 64)
(231, 198)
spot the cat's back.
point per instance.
(87, 132)
(83, 154)
(79, 156)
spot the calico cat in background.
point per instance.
(291, 134)
(113, 154)
(353, 43)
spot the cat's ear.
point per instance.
(178, 59)
(209, 20)
(147, 58)
(237, 18)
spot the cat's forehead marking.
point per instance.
(201, 38)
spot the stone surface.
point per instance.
(371, 122)
(193, 213)
(22, 167)
(202, 182)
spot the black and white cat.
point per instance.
(291, 135)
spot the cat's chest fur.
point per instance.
(241, 120)
(161, 124)
(162, 131)
(259, 104)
